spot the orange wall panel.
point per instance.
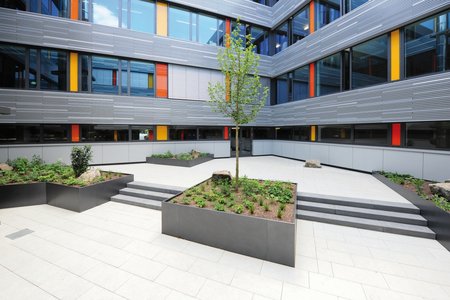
(161, 81)
(75, 133)
(312, 17)
(396, 134)
(74, 9)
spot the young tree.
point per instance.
(241, 96)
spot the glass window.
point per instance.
(285, 133)
(142, 133)
(207, 30)
(104, 75)
(142, 16)
(142, 77)
(372, 134)
(301, 83)
(32, 76)
(300, 24)
(221, 32)
(210, 133)
(85, 9)
(327, 11)
(335, 133)
(352, 4)
(84, 60)
(10, 134)
(104, 133)
(31, 133)
(424, 46)
(179, 23)
(55, 133)
(263, 133)
(328, 75)
(428, 135)
(12, 66)
(281, 38)
(58, 8)
(301, 133)
(14, 4)
(282, 89)
(34, 6)
(106, 12)
(370, 62)
(260, 39)
(53, 70)
(124, 77)
(179, 133)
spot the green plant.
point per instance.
(80, 157)
(279, 213)
(282, 206)
(200, 202)
(266, 207)
(219, 207)
(186, 201)
(261, 202)
(440, 202)
(249, 205)
(238, 208)
(241, 96)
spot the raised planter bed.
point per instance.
(266, 239)
(438, 219)
(79, 199)
(22, 194)
(73, 198)
(179, 162)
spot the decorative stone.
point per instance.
(195, 154)
(312, 164)
(442, 189)
(5, 167)
(90, 175)
(221, 175)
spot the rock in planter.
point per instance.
(90, 175)
(442, 189)
(195, 154)
(221, 175)
(312, 164)
(5, 167)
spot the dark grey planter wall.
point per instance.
(269, 240)
(178, 162)
(438, 220)
(79, 199)
(15, 195)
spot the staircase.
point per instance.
(399, 218)
(145, 194)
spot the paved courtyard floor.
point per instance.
(116, 251)
(324, 181)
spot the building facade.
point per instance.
(358, 84)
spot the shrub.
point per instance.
(219, 207)
(80, 157)
(266, 207)
(200, 202)
(279, 213)
(239, 208)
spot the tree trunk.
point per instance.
(237, 158)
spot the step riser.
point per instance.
(152, 189)
(367, 226)
(136, 204)
(363, 215)
(142, 195)
(360, 205)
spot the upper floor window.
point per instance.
(259, 36)
(57, 8)
(327, 11)
(352, 4)
(300, 82)
(281, 37)
(12, 66)
(300, 24)
(328, 75)
(429, 135)
(14, 4)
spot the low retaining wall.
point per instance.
(179, 162)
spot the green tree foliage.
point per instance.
(241, 96)
(80, 157)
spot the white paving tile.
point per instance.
(416, 287)
(258, 284)
(285, 273)
(175, 259)
(306, 263)
(218, 291)
(213, 271)
(138, 288)
(241, 262)
(334, 286)
(181, 281)
(374, 293)
(359, 275)
(106, 276)
(143, 267)
(293, 292)
(98, 293)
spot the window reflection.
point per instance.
(179, 23)
(142, 79)
(301, 83)
(281, 38)
(53, 69)
(300, 24)
(104, 75)
(328, 75)
(142, 16)
(106, 12)
(327, 11)
(12, 66)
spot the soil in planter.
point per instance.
(265, 199)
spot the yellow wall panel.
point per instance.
(313, 133)
(161, 19)
(161, 133)
(395, 55)
(73, 72)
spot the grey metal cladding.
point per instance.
(246, 10)
(372, 19)
(44, 31)
(425, 98)
(284, 8)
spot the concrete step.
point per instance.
(361, 203)
(142, 202)
(152, 195)
(168, 189)
(374, 214)
(377, 225)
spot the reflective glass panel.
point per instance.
(14, 4)
(328, 75)
(352, 4)
(327, 11)
(301, 133)
(55, 133)
(53, 70)
(104, 133)
(142, 77)
(210, 133)
(179, 133)
(32, 76)
(263, 133)
(59, 8)
(300, 24)
(104, 75)
(284, 133)
(428, 135)
(12, 66)
(207, 30)
(370, 62)
(372, 134)
(124, 77)
(179, 23)
(282, 89)
(260, 39)
(31, 133)
(106, 12)
(142, 133)
(301, 83)
(85, 10)
(281, 38)
(143, 16)
(84, 59)
(335, 133)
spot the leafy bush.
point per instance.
(279, 213)
(181, 156)
(441, 202)
(80, 157)
(219, 207)
(200, 202)
(238, 208)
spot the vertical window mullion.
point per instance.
(27, 68)
(38, 69)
